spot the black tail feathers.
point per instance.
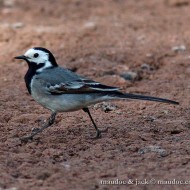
(142, 97)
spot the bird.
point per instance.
(60, 90)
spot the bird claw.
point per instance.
(34, 130)
(26, 139)
(99, 133)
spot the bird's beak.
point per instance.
(21, 57)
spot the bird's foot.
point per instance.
(25, 139)
(35, 129)
(99, 133)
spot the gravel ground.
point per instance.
(140, 46)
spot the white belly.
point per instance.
(65, 102)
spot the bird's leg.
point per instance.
(46, 125)
(98, 131)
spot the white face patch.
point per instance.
(38, 56)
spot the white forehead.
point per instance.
(32, 51)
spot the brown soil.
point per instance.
(101, 40)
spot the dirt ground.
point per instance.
(102, 40)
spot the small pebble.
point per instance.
(106, 107)
(66, 165)
(165, 112)
(179, 48)
(150, 118)
(90, 25)
(9, 3)
(129, 75)
(17, 25)
(141, 38)
(145, 66)
(149, 55)
(153, 148)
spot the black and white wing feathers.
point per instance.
(79, 87)
(62, 81)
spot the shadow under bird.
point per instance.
(61, 90)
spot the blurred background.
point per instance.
(140, 46)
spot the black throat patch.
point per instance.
(32, 70)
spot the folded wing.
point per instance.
(79, 87)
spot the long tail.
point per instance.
(142, 97)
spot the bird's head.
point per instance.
(38, 58)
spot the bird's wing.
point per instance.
(62, 81)
(78, 87)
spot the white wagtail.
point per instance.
(61, 90)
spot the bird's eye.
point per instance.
(36, 55)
